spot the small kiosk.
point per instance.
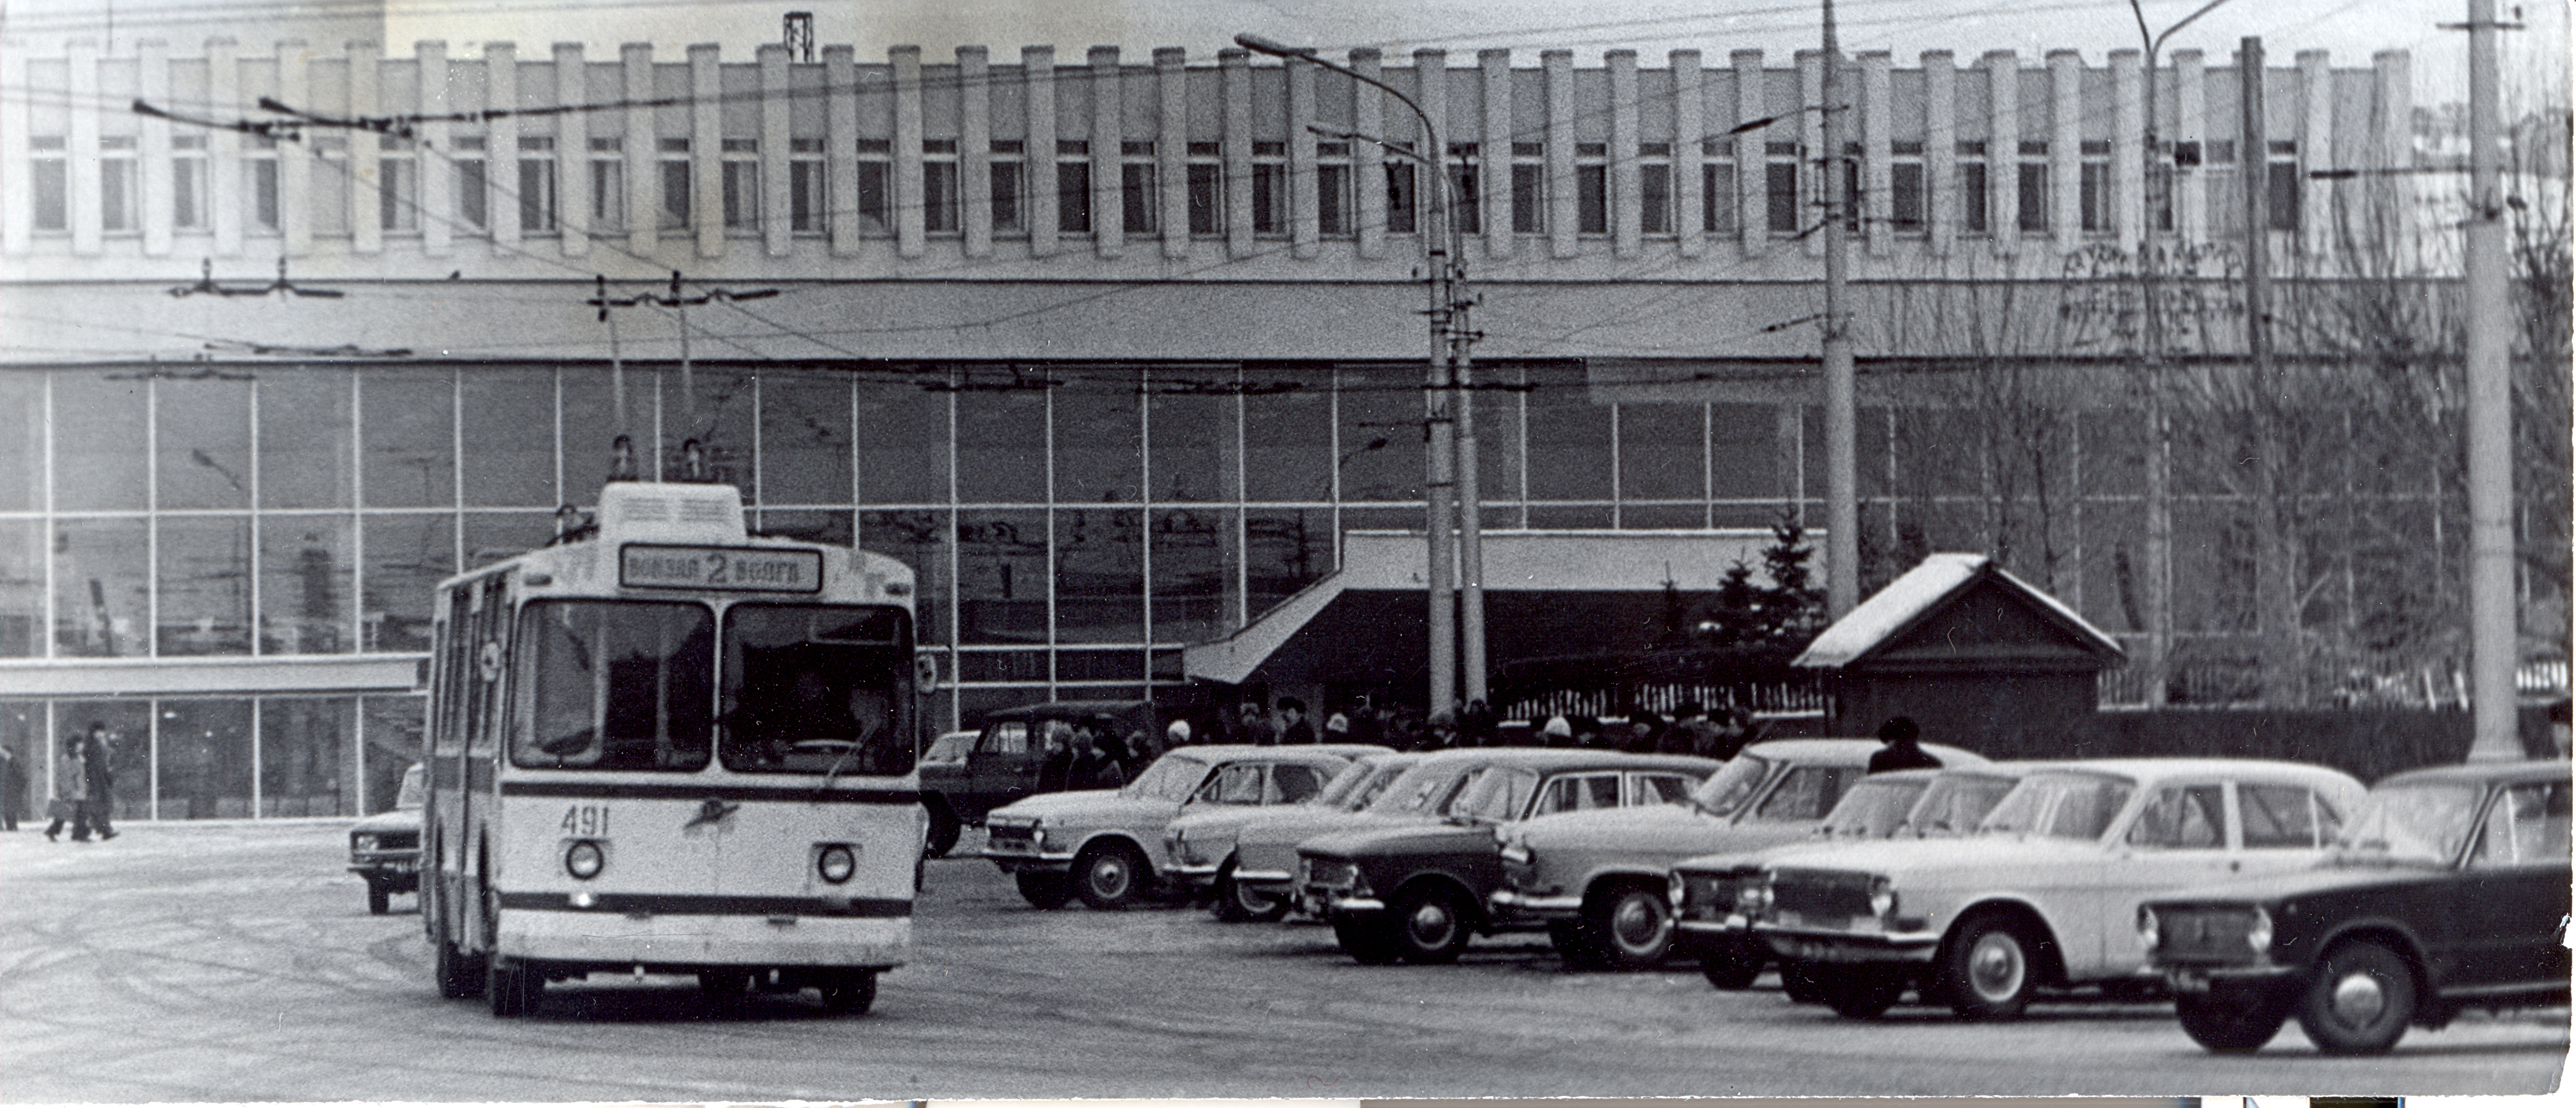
(1978, 657)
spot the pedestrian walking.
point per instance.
(1903, 750)
(70, 796)
(98, 773)
(13, 787)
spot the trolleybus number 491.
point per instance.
(641, 565)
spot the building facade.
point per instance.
(1112, 350)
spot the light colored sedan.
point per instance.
(1709, 922)
(1265, 850)
(2045, 894)
(1091, 843)
(1199, 848)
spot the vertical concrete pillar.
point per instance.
(1305, 227)
(706, 148)
(777, 230)
(434, 162)
(1690, 125)
(1563, 217)
(1494, 149)
(501, 148)
(1037, 76)
(1234, 71)
(17, 201)
(86, 211)
(1626, 194)
(572, 151)
(1108, 134)
(2003, 149)
(2190, 124)
(1753, 185)
(2066, 149)
(1815, 160)
(2128, 136)
(975, 149)
(366, 156)
(1172, 147)
(639, 150)
(1877, 146)
(1368, 173)
(2317, 151)
(152, 84)
(1940, 151)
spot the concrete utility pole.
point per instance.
(1443, 399)
(1842, 483)
(2492, 634)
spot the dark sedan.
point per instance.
(2448, 891)
(1418, 893)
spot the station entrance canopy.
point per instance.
(1547, 593)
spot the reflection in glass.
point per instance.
(205, 759)
(903, 445)
(393, 730)
(407, 555)
(205, 585)
(1190, 578)
(306, 453)
(1098, 442)
(408, 436)
(1002, 577)
(22, 442)
(1285, 550)
(919, 539)
(203, 442)
(508, 434)
(102, 587)
(1001, 448)
(1381, 414)
(804, 439)
(614, 685)
(303, 748)
(99, 452)
(1099, 575)
(22, 588)
(304, 585)
(817, 689)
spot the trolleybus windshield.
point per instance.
(614, 685)
(820, 689)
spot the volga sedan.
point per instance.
(1596, 879)
(1199, 848)
(1709, 920)
(2046, 894)
(2448, 891)
(1265, 850)
(1091, 842)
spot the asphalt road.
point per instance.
(238, 963)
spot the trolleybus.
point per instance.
(664, 745)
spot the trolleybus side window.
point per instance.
(812, 688)
(607, 684)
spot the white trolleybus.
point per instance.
(663, 745)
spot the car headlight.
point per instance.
(2150, 928)
(583, 859)
(1677, 890)
(835, 862)
(1516, 852)
(2258, 935)
(1753, 898)
(363, 842)
(1882, 897)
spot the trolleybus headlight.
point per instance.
(836, 862)
(583, 859)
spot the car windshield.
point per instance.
(2412, 823)
(1346, 781)
(1380, 777)
(817, 688)
(2060, 806)
(614, 685)
(950, 748)
(1424, 788)
(1872, 808)
(1732, 785)
(1954, 803)
(1172, 777)
(1498, 793)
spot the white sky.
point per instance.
(2352, 30)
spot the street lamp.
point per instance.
(2158, 201)
(1450, 434)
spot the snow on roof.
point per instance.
(1889, 611)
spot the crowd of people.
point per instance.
(1689, 729)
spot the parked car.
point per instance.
(1199, 848)
(1418, 893)
(1003, 763)
(950, 748)
(1091, 842)
(1597, 880)
(1265, 849)
(2045, 894)
(1709, 920)
(2448, 891)
(385, 848)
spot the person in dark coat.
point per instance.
(1478, 726)
(71, 796)
(98, 778)
(1096, 766)
(1293, 728)
(1902, 736)
(1055, 770)
(13, 787)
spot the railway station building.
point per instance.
(1120, 350)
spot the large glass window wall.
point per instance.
(1107, 511)
(198, 758)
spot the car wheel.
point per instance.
(1989, 968)
(2361, 1000)
(1048, 891)
(944, 829)
(1731, 964)
(1431, 925)
(513, 987)
(1860, 992)
(1110, 876)
(1630, 927)
(2231, 1022)
(850, 992)
(1237, 904)
(379, 899)
(1368, 942)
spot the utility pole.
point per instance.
(1842, 484)
(2490, 380)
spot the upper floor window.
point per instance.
(1138, 191)
(1905, 203)
(1401, 198)
(1529, 188)
(1204, 177)
(676, 182)
(607, 184)
(1466, 205)
(49, 182)
(741, 181)
(1592, 188)
(1006, 173)
(1717, 186)
(188, 182)
(2030, 213)
(2281, 182)
(1073, 186)
(537, 185)
(118, 183)
(1976, 193)
(259, 175)
(806, 200)
(1780, 187)
(875, 170)
(2093, 186)
(1270, 188)
(1333, 189)
(939, 214)
(1655, 188)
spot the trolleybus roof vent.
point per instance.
(649, 511)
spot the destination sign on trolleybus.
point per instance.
(641, 565)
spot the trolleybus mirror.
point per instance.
(925, 673)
